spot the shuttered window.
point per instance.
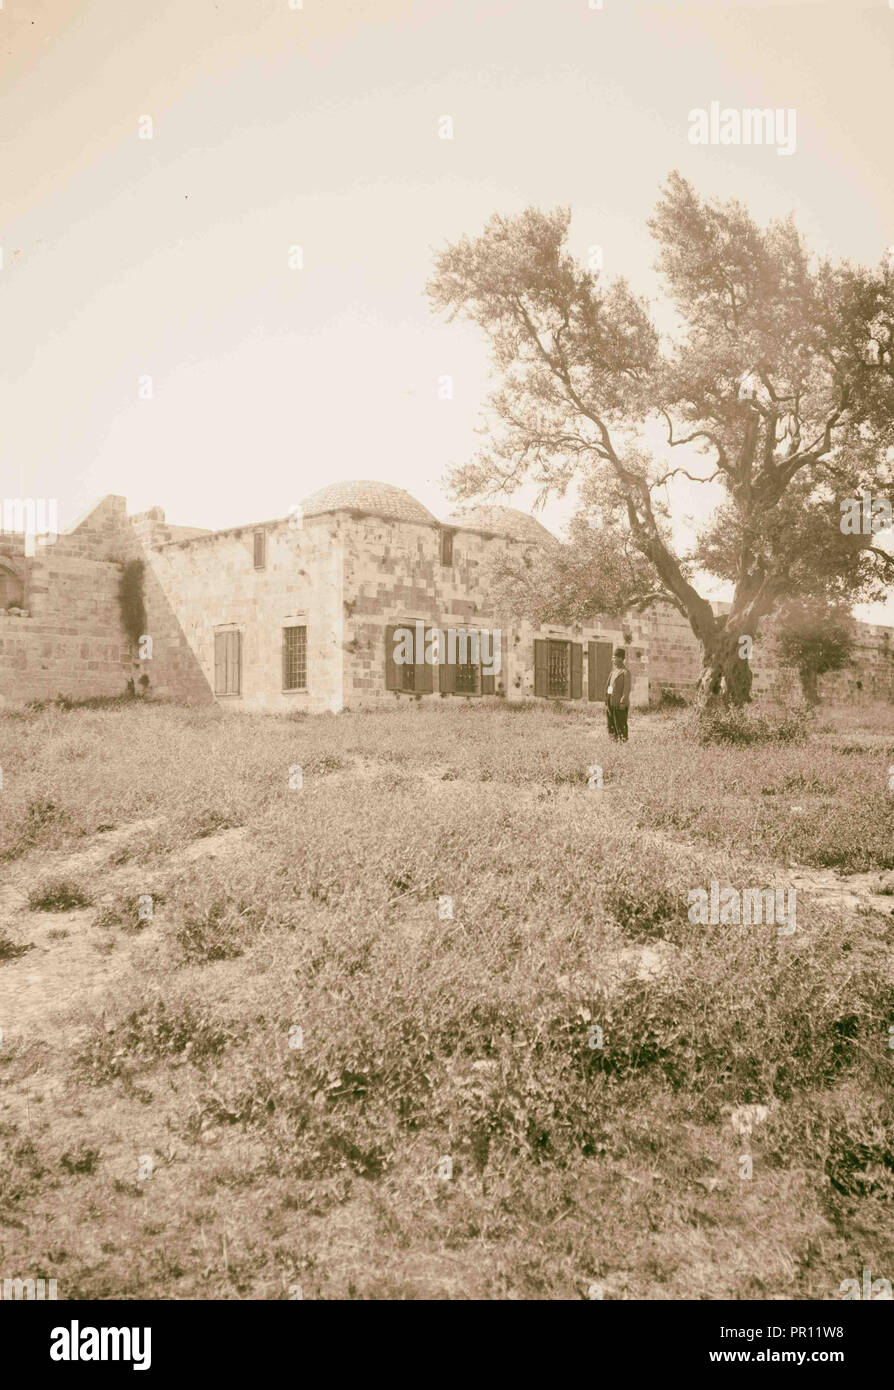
(540, 671)
(294, 658)
(577, 669)
(228, 663)
(412, 677)
(446, 547)
(392, 670)
(467, 678)
(558, 669)
(260, 550)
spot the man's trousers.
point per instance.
(617, 721)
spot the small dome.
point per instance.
(508, 522)
(372, 499)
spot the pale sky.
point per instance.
(275, 127)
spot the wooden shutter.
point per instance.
(228, 663)
(234, 663)
(577, 664)
(446, 676)
(541, 678)
(220, 663)
(487, 684)
(599, 658)
(424, 672)
(392, 672)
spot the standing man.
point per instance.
(617, 697)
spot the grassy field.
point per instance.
(308, 1072)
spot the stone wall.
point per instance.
(675, 661)
(208, 581)
(69, 639)
(393, 574)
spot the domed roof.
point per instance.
(373, 499)
(508, 522)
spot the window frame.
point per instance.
(259, 535)
(573, 683)
(408, 678)
(564, 693)
(448, 674)
(286, 628)
(446, 545)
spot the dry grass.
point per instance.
(425, 1038)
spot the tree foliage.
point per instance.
(814, 637)
(779, 385)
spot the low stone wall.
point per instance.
(675, 662)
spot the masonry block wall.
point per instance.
(204, 583)
(675, 661)
(68, 639)
(393, 575)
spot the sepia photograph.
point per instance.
(446, 671)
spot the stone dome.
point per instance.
(507, 522)
(372, 499)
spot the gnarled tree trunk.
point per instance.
(726, 675)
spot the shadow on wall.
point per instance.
(174, 669)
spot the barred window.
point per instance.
(260, 550)
(294, 658)
(467, 680)
(558, 668)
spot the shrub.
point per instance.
(215, 930)
(10, 950)
(41, 819)
(666, 698)
(150, 1034)
(80, 1160)
(737, 726)
(124, 910)
(643, 903)
(58, 895)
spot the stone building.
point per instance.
(297, 613)
(303, 612)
